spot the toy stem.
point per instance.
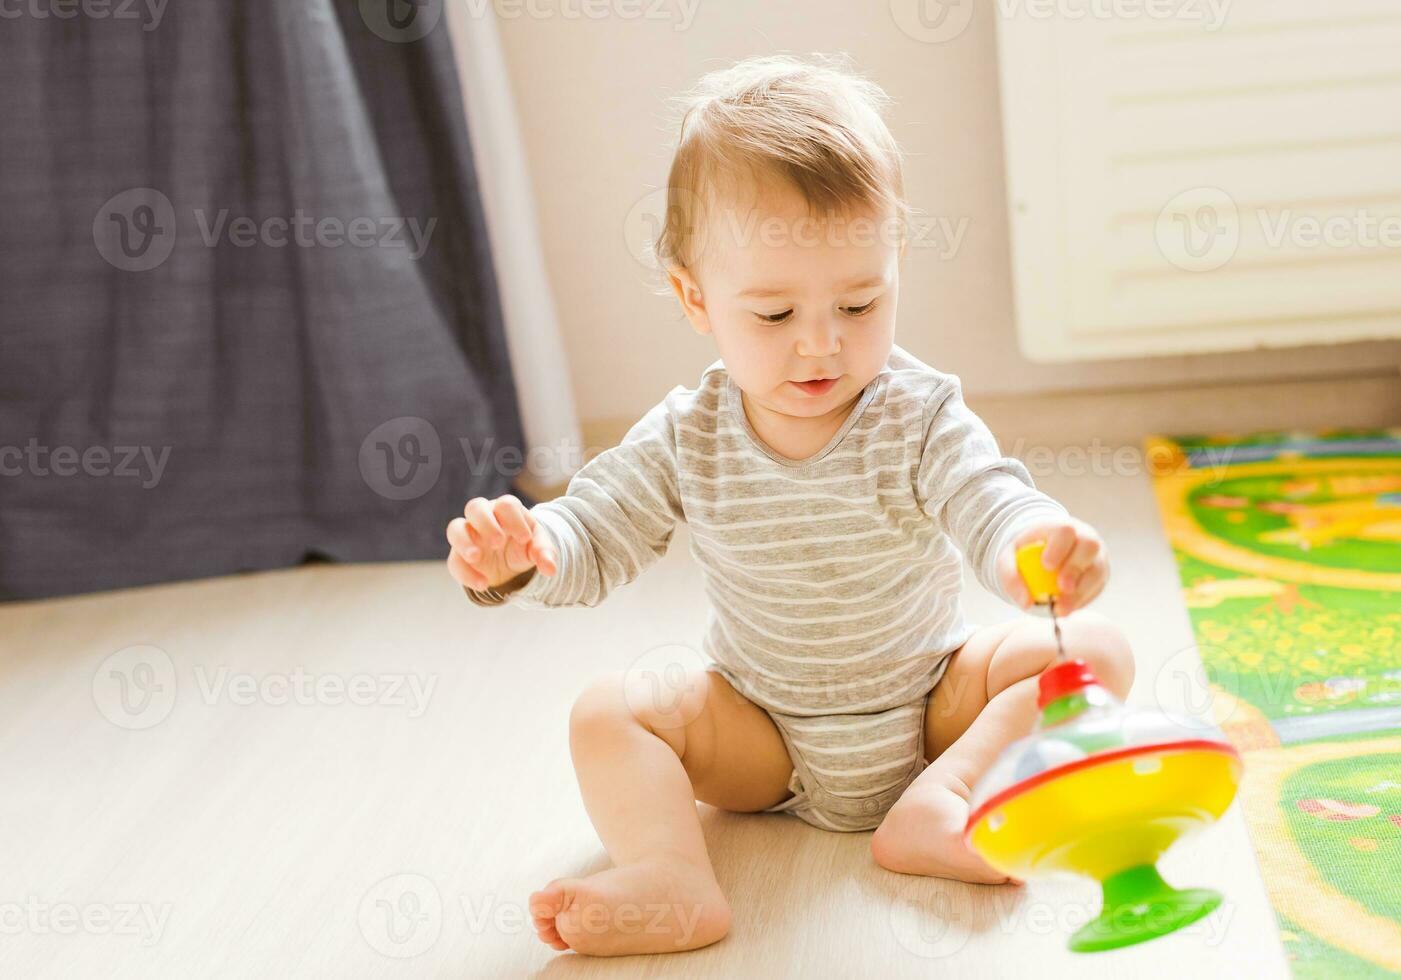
(1041, 584)
(1055, 625)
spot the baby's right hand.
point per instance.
(495, 541)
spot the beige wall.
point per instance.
(591, 95)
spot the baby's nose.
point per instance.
(823, 341)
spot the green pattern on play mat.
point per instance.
(1308, 662)
(1355, 837)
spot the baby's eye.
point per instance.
(858, 310)
(774, 317)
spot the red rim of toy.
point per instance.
(1031, 782)
(1062, 679)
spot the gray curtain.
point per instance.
(247, 308)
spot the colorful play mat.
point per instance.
(1289, 550)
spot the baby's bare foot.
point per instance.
(947, 856)
(923, 835)
(659, 906)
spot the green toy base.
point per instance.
(1138, 906)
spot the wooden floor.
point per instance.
(184, 809)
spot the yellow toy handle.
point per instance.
(1040, 581)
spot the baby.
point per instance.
(829, 480)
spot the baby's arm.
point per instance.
(980, 498)
(615, 519)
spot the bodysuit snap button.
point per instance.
(870, 806)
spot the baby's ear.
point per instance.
(688, 294)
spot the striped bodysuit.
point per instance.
(833, 581)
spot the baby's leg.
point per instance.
(643, 755)
(985, 701)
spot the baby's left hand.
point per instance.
(1073, 547)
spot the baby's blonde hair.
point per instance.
(816, 125)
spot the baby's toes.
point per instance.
(551, 938)
(549, 935)
(545, 906)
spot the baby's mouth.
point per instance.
(820, 387)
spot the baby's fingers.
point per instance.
(514, 519)
(459, 536)
(1077, 568)
(1087, 587)
(542, 551)
(481, 518)
(463, 573)
(1086, 550)
(1059, 544)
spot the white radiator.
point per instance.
(1195, 175)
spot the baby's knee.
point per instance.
(601, 706)
(1102, 644)
(1087, 635)
(639, 700)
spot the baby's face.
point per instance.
(790, 299)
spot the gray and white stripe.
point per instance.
(834, 582)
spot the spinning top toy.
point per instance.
(1103, 790)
